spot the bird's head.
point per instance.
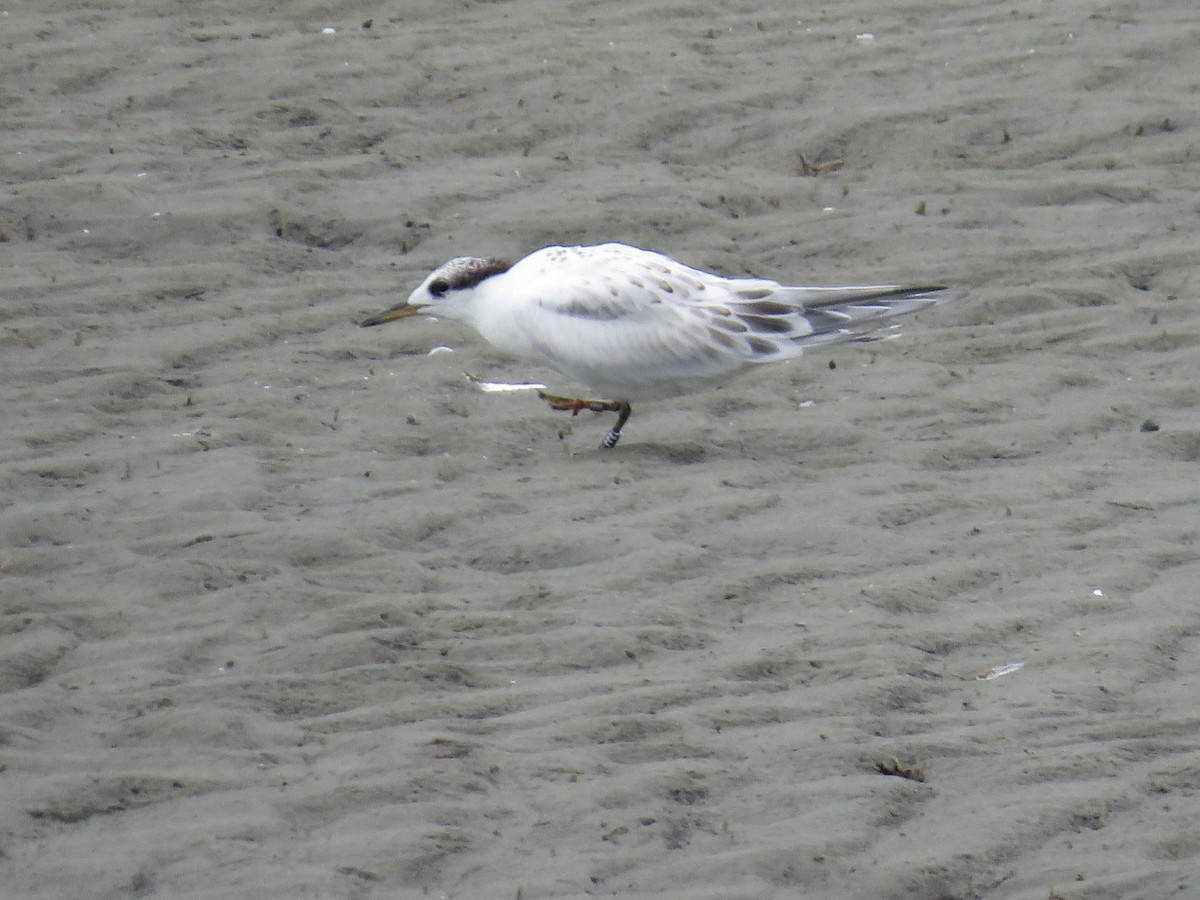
(447, 285)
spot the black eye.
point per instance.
(439, 286)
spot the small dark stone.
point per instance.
(1149, 425)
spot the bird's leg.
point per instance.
(623, 410)
(574, 406)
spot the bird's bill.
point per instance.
(403, 311)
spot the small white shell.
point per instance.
(998, 671)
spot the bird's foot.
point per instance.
(575, 406)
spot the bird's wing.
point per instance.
(796, 317)
(594, 311)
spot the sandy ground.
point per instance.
(291, 609)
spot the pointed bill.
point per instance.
(403, 311)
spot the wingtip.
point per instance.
(936, 293)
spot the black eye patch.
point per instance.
(439, 286)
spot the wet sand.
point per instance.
(292, 609)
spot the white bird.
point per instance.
(631, 324)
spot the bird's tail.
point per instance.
(842, 314)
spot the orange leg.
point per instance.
(575, 406)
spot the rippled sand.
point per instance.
(290, 608)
